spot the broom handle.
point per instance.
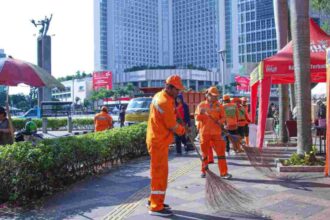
(223, 129)
(194, 145)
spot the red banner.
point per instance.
(102, 79)
(243, 83)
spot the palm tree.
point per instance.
(281, 23)
(301, 54)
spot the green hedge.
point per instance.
(28, 172)
(54, 123)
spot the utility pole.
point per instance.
(222, 55)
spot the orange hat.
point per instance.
(236, 99)
(104, 109)
(175, 81)
(213, 91)
(225, 97)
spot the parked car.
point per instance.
(137, 110)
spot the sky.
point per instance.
(71, 29)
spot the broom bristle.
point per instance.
(258, 161)
(221, 195)
(255, 157)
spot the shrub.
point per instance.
(309, 159)
(28, 172)
(54, 123)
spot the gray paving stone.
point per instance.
(294, 208)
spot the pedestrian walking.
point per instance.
(103, 121)
(210, 114)
(122, 116)
(162, 125)
(183, 118)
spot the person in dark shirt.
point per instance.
(5, 136)
(183, 118)
(122, 116)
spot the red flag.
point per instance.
(243, 83)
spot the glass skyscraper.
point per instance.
(129, 33)
(257, 35)
(132, 33)
(195, 33)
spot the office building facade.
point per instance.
(76, 89)
(257, 34)
(132, 33)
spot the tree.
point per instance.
(301, 55)
(77, 99)
(281, 24)
(130, 88)
(323, 7)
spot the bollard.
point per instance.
(44, 125)
(69, 125)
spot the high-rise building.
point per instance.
(131, 33)
(257, 35)
(196, 33)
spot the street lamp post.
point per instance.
(222, 54)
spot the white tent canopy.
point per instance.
(319, 90)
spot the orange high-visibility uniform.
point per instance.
(243, 117)
(162, 125)
(102, 121)
(210, 133)
(231, 115)
(246, 107)
(210, 157)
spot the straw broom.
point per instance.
(254, 156)
(253, 153)
(220, 194)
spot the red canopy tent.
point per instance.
(327, 168)
(279, 69)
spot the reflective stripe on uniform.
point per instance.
(158, 192)
(221, 157)
(155, 104)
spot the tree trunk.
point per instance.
(292, 89)
(301, 55)
(292, 97)
(281, 24)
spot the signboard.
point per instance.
(102, 79)
(55, 109)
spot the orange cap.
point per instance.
(213, 91)
(225, 97)
(175, 81)
(104, 109)
(236, 99)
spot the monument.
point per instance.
(44, 54)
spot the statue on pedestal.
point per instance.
(44, 25)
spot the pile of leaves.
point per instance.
(308, 159)
(29, 172)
